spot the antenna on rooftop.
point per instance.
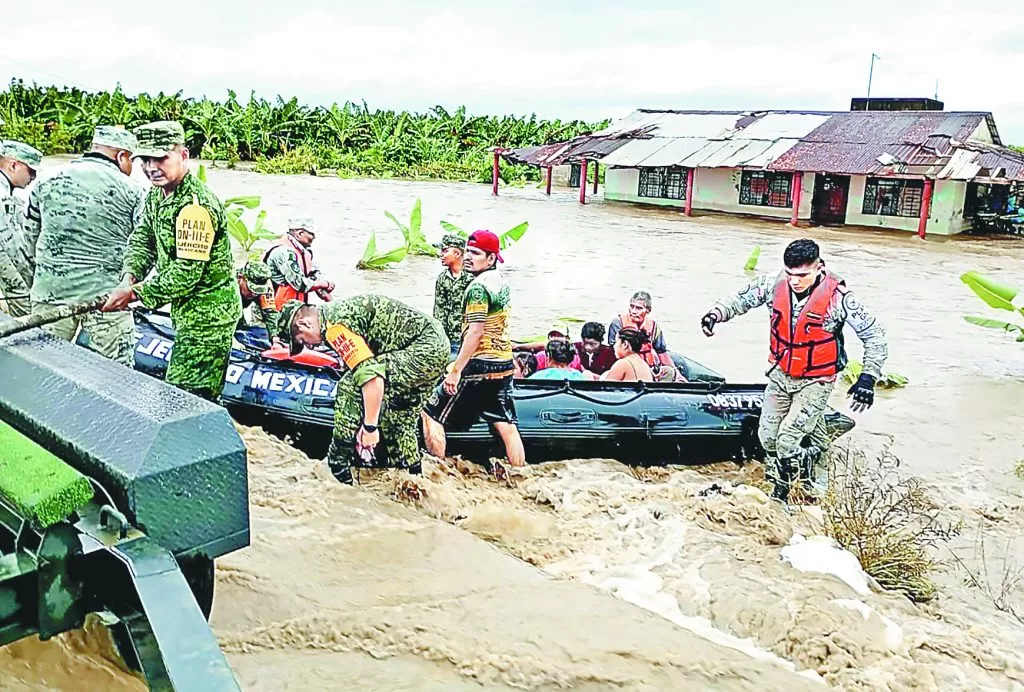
(871, 72)
(936, 89)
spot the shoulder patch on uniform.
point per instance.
(352, 348)
(194, 232)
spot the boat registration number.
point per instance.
(736, 401)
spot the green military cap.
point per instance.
(451, 240)
(304, 223)
(157, 139)
(21, 152)
(257, 275)
(115, 137)
(288, 312)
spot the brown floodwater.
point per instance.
(346, 587)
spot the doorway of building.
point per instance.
(831, 192)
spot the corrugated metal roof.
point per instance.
(779, 125)
(634, 151)
(850, 142)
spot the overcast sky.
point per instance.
(556, 58)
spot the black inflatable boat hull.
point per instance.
(703, 420)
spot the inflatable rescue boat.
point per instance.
(705, 419)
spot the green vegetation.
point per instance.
(246, 239)
(373, 260)
(286, 137)
(755, 255)
(889, 380)
(995, 295)
(886, 520)
(415, 242)
(41, 487)
(507, 238)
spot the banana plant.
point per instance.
(889, 380)
(995, 295)
(751, 264)
(372, 260)
(506, 239)
(415, 242)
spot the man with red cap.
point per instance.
(479, 382)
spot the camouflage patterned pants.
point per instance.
(411, 375)
(793, 409)
(112, 335)
(199, 360)
(12, 283)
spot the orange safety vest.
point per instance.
(647, 351)
(804, 348)
(285, 292)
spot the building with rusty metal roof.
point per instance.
(925, 171)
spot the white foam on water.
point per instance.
(893, 632)
(823, 555)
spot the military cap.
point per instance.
(451, 240)
(21, 152)
(303, 222)
(114, 137)
(288, 312)
(156, 140)
(257, 275)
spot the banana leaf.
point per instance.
(452, 228)
(994, 294)
(248, 201)
(238, 231)
(889, 380)
(993, 324)
(401, 226)
(371, 260)
(416, 240)
(201, 173)
(513, 234)
(751, 264)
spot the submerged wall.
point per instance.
(718, 189)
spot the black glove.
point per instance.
(707, 323)
(863, 393)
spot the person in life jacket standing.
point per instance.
(292, 269)
(808, 307)
(654, 350)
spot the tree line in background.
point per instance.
(283, 136)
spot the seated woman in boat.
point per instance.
(594, 354)
(557, 332)
(630, 366)
(560, 355)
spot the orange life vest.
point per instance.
(804, 348)
(647, 351)
(285, 292)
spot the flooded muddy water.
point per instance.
(346, 587)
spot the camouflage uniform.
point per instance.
(284, 261)
(264, 312)
(203, 294)
(406, 347)
(794, 406)
(76, 232)
(15, 268)
(450, 293)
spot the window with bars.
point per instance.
(766, 189)
(892, 197)
(663, 183)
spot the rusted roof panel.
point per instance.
(675, 152)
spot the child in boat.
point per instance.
(594, 354)
(524, 364)
(630, 366)
(560, 353)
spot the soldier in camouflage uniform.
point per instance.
(808, 306)
(76, 232)
(450, 288)
(183, 235)
(393, 356)
(293, 271)
(18, 164)
(257, 293)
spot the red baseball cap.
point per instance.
(486, 241)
